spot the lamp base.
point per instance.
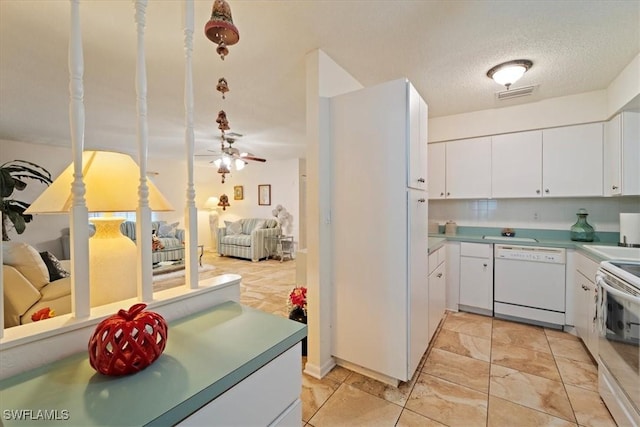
(112, 263)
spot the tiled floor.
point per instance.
(478, 371)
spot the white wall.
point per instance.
(169, 175)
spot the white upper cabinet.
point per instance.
(572, 161)
(468, 168)
(622, 155)
(516, 164)
(417, 150)
(436, 170)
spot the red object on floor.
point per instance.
(128, 341)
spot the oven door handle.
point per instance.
(610, 289)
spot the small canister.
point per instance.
(450, 228)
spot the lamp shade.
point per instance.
(111, 182)
(212, 203)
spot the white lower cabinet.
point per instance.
(476, 278)
(437, 289)
(269, 396)
(585, 301)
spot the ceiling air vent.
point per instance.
(515, 93)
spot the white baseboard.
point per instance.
(319, 372)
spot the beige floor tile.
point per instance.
(579, 374)
(349, 406)
(448, 403)
(569, 349)
(458, 369)
(503, 413)
(465, 345)
(590, 410)
(555, 333)
(531, 391)
(338, 374)
(397, 395)
(525, 360)
(411, 419)
(469, 324)
(314, 394)
(519, 334)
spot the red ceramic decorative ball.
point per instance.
(128, 341)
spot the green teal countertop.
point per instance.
(207, 353)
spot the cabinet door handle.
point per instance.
(484, 265)
(538, 191)
(422, 200)
(615, 187)
(420, 179)
(448, 194)
(546, 190)
(442, 194)
(439, 275)
(585, 288)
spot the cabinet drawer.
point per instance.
(480, 250)
(587, 267)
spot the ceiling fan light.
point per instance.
(217, 162)
(510, 72)
(227, 161)
(239, 164)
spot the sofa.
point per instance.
(28, 285)
(171, 239)
(245, 238)
(169, 236)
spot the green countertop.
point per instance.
(207, 353)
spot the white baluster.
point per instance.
(79, 216)
(190, 212)
(143, 213)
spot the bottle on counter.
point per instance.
(581, 231)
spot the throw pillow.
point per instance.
(259, 225)
(56, 271)
(233, 228)
(168, 230)
(27, 261)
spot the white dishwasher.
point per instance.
(529, 284)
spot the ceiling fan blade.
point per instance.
(257, 159)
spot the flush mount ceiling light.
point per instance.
(508, 73)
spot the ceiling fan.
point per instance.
(229, 155)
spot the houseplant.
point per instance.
(297, 304)
(12, 177)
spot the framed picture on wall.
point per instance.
(238, 192)
(264, 195)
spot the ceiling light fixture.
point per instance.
(509, 72)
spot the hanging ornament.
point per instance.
(224, 201)
(223, 123)
(220, 28)
(222, 86)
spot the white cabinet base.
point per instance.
(546, 318)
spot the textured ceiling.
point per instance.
(443, 47)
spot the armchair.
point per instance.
(246, 238)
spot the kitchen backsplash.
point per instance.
(552, 213)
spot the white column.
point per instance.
(79, 215)
(143, 213)
(190, 212)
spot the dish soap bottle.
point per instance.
(581, 231)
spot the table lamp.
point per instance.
(111, 183)
(212, 205)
